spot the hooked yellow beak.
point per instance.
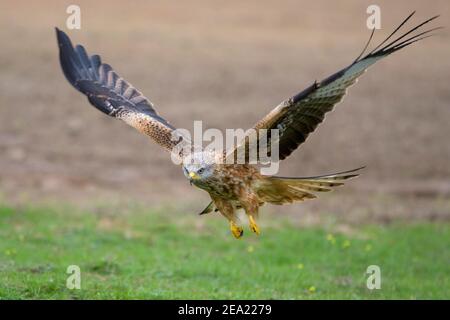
(193, 176)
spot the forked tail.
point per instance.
(281, 190)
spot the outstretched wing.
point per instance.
(111, 94)
(298, 116)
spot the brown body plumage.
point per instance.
(232, 186)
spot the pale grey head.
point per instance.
(199, 166)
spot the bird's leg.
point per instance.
(236, 229)
(228, 211)
(253, 226)
(251, 209)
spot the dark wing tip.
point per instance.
(68, 58)
(62, 37)
(74, 61)
(399, 42)
(98, 81)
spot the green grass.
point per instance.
(159, 255)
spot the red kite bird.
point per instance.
(233, 186)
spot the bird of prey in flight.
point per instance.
(233, 186)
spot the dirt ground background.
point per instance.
(226, 63)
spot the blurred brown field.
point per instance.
(226, 63)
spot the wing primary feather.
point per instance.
(393, 32)
(85, 62)
(366, 46)
(96, 61)
(387, 48)
(414, 38)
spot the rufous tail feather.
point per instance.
(281, 190)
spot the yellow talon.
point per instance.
(236, 230)
(253, 226)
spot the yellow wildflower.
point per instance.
(346, 244)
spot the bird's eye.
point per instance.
(200, 171)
